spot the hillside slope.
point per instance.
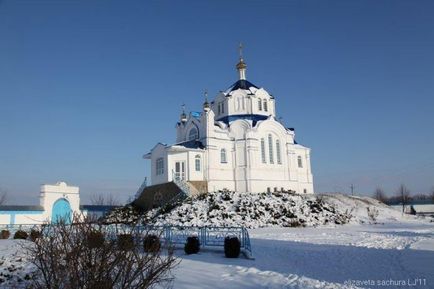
(255, 210)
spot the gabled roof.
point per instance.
(148, 155)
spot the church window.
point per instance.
(259, 104)
(160, 166)
(263, 150)
(305, 191)
(270, 149)
(242, 103)
(223, 159)
(278, 155)
(197, 163)
(238, 103)
(300, 162)
(265, 105)
(223, 107)
(193, 134)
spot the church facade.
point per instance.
(235, 143)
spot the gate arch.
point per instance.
(61, 211)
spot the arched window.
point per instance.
(265, 105)
(223, 159)
(263, 150)
(197, 163)
(259, 104)
(270, 149)
(278, 155)
(159, 166)
(300, 162)
(193, 134)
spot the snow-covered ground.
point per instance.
(382, 256)
(394, 251)
(326, 257)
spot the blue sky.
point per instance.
(88, 87)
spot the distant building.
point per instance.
(235, 143)
(57, 202)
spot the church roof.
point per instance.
(191, 144)
(241, 84)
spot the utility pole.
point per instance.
(352, 189)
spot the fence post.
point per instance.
(203, 236)
(167, 233)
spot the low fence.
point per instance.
(177, 235)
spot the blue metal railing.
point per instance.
(176, 235)
(185, 188)
(141, 188)
(208, 236)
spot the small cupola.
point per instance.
(241, 65)
(206, 106)
(183, 116)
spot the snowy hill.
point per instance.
(255, 210)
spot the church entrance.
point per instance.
(180, 170)
(61, 212)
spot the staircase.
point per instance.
(148, 197)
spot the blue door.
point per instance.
(61, 211)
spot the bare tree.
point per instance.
(404, 196)
(372, 214)
(89, 255)
(104, 200)
(3, 197)
(380, 195)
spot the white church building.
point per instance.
(235, 143)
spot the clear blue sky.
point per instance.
(88, 87)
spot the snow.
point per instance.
(14, 265)
(256, 210)
(337, 257)
(393, 251)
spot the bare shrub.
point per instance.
(126, 242)
(372, 214)
(86, 255)
(5, 234)
(192, 246)
(151, 243)
(344, 218)
(35, 234)
(21, 235)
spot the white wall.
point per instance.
(48, 196)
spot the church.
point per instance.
(235, 143)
